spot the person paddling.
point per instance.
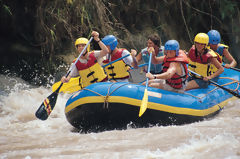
(204, 62)
(88, 67)
(118, 71)
(155, 42)
(174, 73)
(221, 49)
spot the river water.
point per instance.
(24, 136)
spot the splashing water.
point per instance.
(24, 136)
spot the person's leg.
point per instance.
(149, 82)
(191, 85)
(157, 83)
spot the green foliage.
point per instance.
(227, 9)
(7, 9)
(56, 24)
(53, 35)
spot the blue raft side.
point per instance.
(190, 99)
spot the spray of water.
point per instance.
(22, 135)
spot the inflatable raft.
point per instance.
(107, 106)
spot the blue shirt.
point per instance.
(155, 68)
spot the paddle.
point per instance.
(211, 81)
(233, 68)
(236, 69)
(49, 103)
(73, 85)
(143, 106)
(115, 60)
(139, 66)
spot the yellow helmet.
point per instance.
(202, 38)
(82, 41)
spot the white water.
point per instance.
(24, 136)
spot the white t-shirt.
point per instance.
(128, 60)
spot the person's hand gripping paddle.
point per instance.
(49, 103)
(143, 106)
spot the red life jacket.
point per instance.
(116, 56)
(119, 69)
(91, 71)
(203, 59)
(90, 62)
(201, 63)
(177, 81)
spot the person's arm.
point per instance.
(74, 73)
(65, 80)
(155, 59)
(220, 70)
(166, 75)
(104, 50)
(231, 60)
(129, 60)
(139, 56)
(133, 54)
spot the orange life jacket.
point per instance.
(177, 81)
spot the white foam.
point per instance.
(22, 135)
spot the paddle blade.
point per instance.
(56, 85)
(72, 86)
(144, 103)
(47, 106)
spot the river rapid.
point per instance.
(22, 135)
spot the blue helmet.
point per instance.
(111, 41)
(214, 37)
(172, 45)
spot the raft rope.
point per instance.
(233, 81)
(106, 103)
(108, 93)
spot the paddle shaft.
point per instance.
(148, 70)
(79, 57)
(236, 69)
(49, 103)
(105, 66)
(115, 60)
(233, 68)
(216, 84)
(144, 102)
(69, 71)
(139, 66)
